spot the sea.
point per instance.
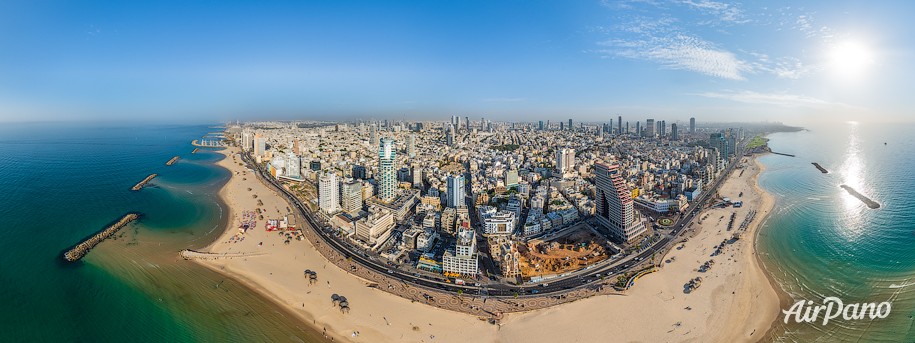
(822, 242)
(62, 182)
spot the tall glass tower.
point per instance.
(387, 179)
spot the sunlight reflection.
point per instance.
(852, 174)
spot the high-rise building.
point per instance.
(638, 129)
(692, 125)
(373, 135)
(614, 204)
(418, 177)
(359, 172)
(541, 125)
(467, 123)
(674, 135)
(293, 166)
(649, 128)
(328, 192)
(619, 124)
(463, 259)
(565, 160)
(571, 128)
(411, 145)
(387, 177)
(511, 178)
(352, 196)
(455, 191)
(662, 128)
(260, 145)
(718, 141)
(247, 141)
(449, 135)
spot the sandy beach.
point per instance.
(735, 303)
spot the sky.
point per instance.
(502, 60)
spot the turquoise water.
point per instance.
(821, 241)
(62, 182)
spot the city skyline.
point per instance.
(588, 61)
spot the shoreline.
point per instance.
(289, 292)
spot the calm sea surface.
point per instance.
(823, 242)
(62, 182)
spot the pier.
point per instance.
(822, 170)
(81, 249)
(780, 153)
(172, 161)
(870, 203)
(140, 184)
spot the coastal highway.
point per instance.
(575, 280)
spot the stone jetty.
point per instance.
(172, 161)
(195, 150)
(822, 170)
(140, 184)
(870, 203)
(81, 249)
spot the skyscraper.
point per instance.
(649, 128)
(674, 135)
(260, 145)
(386, 178)
(541, 125)
(662, 128)
(328, 193)
(614, 204)
(638, 129)
(455, 191)
(570, 125)
(565, 160)
(619, 124)
(718, 141)
(449, 135)
(411, 145)
(352, 196)
(692, 125)
(247, 141)
(373, 135)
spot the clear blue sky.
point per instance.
(517, 60)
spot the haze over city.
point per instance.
(588, 60)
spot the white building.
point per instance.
(329, 193)
(387, 177)
(463, 260)
(260, 145)
(352, 196)
(376, 227)
(565, 160)
(497, 222)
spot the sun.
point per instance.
(850, 58)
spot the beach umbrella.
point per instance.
(344, 304)
(344, 309)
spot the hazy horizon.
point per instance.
(589, 61)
